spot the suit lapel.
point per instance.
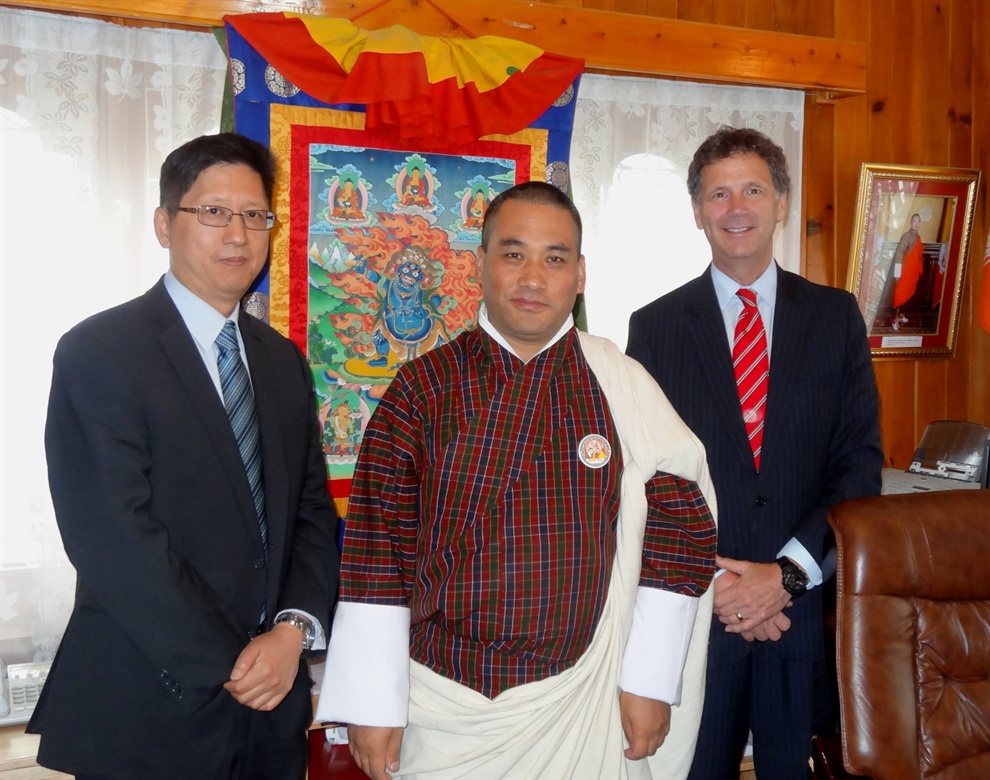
(790, 326)
(205, 402)
(713, 352)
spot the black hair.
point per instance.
(184, 165)
(538, 192)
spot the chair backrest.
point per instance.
(914, 634)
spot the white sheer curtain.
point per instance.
(88, 111)
(632, 143)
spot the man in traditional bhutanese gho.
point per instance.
(530, 532)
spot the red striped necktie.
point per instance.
(751, 363)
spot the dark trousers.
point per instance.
(776, 698)
(257, 752)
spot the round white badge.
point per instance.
(594, 451)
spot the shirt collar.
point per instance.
(203, 321)
(765, 287)
(486, 325)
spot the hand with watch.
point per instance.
(303, 623)
(793, 577)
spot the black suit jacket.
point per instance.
(821, 441)
(156, 515)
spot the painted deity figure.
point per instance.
(476, 210)
(414, 189)
(342, 421)
(409, 323)
(347, 203)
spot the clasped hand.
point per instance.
(755, 592)
(265, 670)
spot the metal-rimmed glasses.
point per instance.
(220, 216)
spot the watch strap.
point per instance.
(303, 623)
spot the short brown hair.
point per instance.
(728, 141)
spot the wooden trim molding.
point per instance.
(608, 41)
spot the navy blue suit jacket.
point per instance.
(821, 441)
(156, 515)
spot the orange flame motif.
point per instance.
(451, 292)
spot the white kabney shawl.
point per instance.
(569, 725)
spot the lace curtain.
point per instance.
(88, 111)
(632, 143)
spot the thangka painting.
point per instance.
(373, 261)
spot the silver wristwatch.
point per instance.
(301, 622)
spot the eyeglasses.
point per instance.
(220, 216)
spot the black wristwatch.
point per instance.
(792, 577)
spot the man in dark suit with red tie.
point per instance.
(190, 490)
(773, 374)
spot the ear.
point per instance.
(782, 207)
(162, 224)
(479, 263)
(697, 215)
(581, 275)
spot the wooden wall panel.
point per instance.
(852, 125)
(959, 143)
(978, 381)
(818, 208)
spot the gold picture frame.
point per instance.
(908, 257)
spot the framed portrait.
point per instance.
(908, 256)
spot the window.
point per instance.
(88, 111)
(633, 140)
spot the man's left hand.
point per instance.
(645, 722)
(757, 594)
(266, 668)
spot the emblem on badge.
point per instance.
(594, 451)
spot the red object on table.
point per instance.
(331, 762)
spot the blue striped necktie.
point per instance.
(239, 402)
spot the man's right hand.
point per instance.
(375, 749)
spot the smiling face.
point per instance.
(738, 208)
(218, 264)
(531, 273)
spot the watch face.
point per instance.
(793, 579)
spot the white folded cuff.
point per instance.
(366, 681)
(653, 663)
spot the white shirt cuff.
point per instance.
(366, 678)
(797, 553)
(653, 663)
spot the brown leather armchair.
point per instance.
(913, 619)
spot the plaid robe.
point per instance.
(471, 506)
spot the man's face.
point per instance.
(531, 273)
(739, 210)
(915, 222)
(218, 264)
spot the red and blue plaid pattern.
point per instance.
(471, 506)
